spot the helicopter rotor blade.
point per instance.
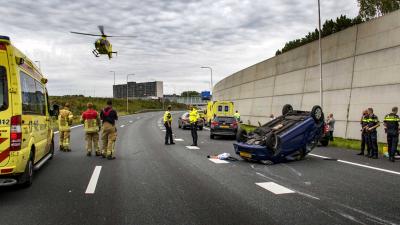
(101, 28)
(97, 35)
(122, 36)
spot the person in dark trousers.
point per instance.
(193, 117)
(331, 123)
(109, 133)
(364, 134)
(168, 128)
(391, 123)
(373, 123)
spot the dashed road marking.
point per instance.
(218, 161)
(275, 188)
(163, 130)
(93, 180)
(192, 147)
(130, 121)
(206, 128)
(359, 165)
(122, 126)
(178, 139)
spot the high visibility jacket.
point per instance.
(237, 116)
(91, 121)
(193, 116)
(65, 120)
(372, 121)
(392, 124)
(167, 117)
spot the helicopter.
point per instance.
(102, 45)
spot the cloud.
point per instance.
(175, 38)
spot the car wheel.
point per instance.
(324, 142)
(241, 135)
(27, 176)
(287, 109)
(212, 136)
(317, 114)
(51, 152)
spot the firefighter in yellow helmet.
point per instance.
(91, 120)
(193, 117)
(64, 126)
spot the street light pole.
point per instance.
(320, 56)
(127, 92)
(211, 81)
(114, 75)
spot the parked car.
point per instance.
(290, 136)
(223, 126)
(183, 122)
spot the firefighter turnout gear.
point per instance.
(109, 133)
(391, 123)
(168, 128)
(193, 117)
(64, 126)
(91, 121)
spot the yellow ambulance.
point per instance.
(26, 135)
(218, 108)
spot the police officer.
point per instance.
(168, 128)
(109, 133)
(64, 126)
(373, 123)
(364, 133)
(193, 117)
(391, 123)
(91, 121)
(237, 116)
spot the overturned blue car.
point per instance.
(288, 137)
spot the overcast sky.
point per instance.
(175, 38)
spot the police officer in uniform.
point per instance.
(391, 123)
(91, 121)
(109, 133)
(373, 123)
(168, 128)
(193, 117)
(364, 133)
(64, 126)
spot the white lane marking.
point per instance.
(178, 139)
(56, 132)
(122, 126)
(130, 121)
(206, 128)
(163, 130)
(192, 147)
(93, 180)
(359, 165)
(275, 188)
(218, 161)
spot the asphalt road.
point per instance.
(150, 183)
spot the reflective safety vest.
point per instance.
(65, 120)
(193, 116)
(237, 116)
(392, 124)
(167, 117)
(91, 121)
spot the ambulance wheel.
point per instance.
(27, 176)
(51, 152)
(287, 109)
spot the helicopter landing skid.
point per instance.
(95, 53)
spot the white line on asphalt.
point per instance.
(218, 161)
(163, 130)
(178, 139)
(360, 165)
(130, 121)
(56, 132)
(93, 180)
(192, 147)
(122, 126)
(275, 188)
(206, 128)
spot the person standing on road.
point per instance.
(168, 126)
(364, 133)
(193, 117)
(237, 115)
(391, 123)
(331, 123)
(64, 126)
(373, 123)
(109, 133)
(91, 121)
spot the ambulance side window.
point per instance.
(220, 108)
(3, 89)
(226, 108)
(33, 100)
(41, 99)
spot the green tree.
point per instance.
(373, 8)
(190, 94)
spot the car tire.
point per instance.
(212, 136)
(287, 109)
(241, 135)
(179, 125)
(324, 142)
(51, 152)
(27, 176)
(317, 114)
